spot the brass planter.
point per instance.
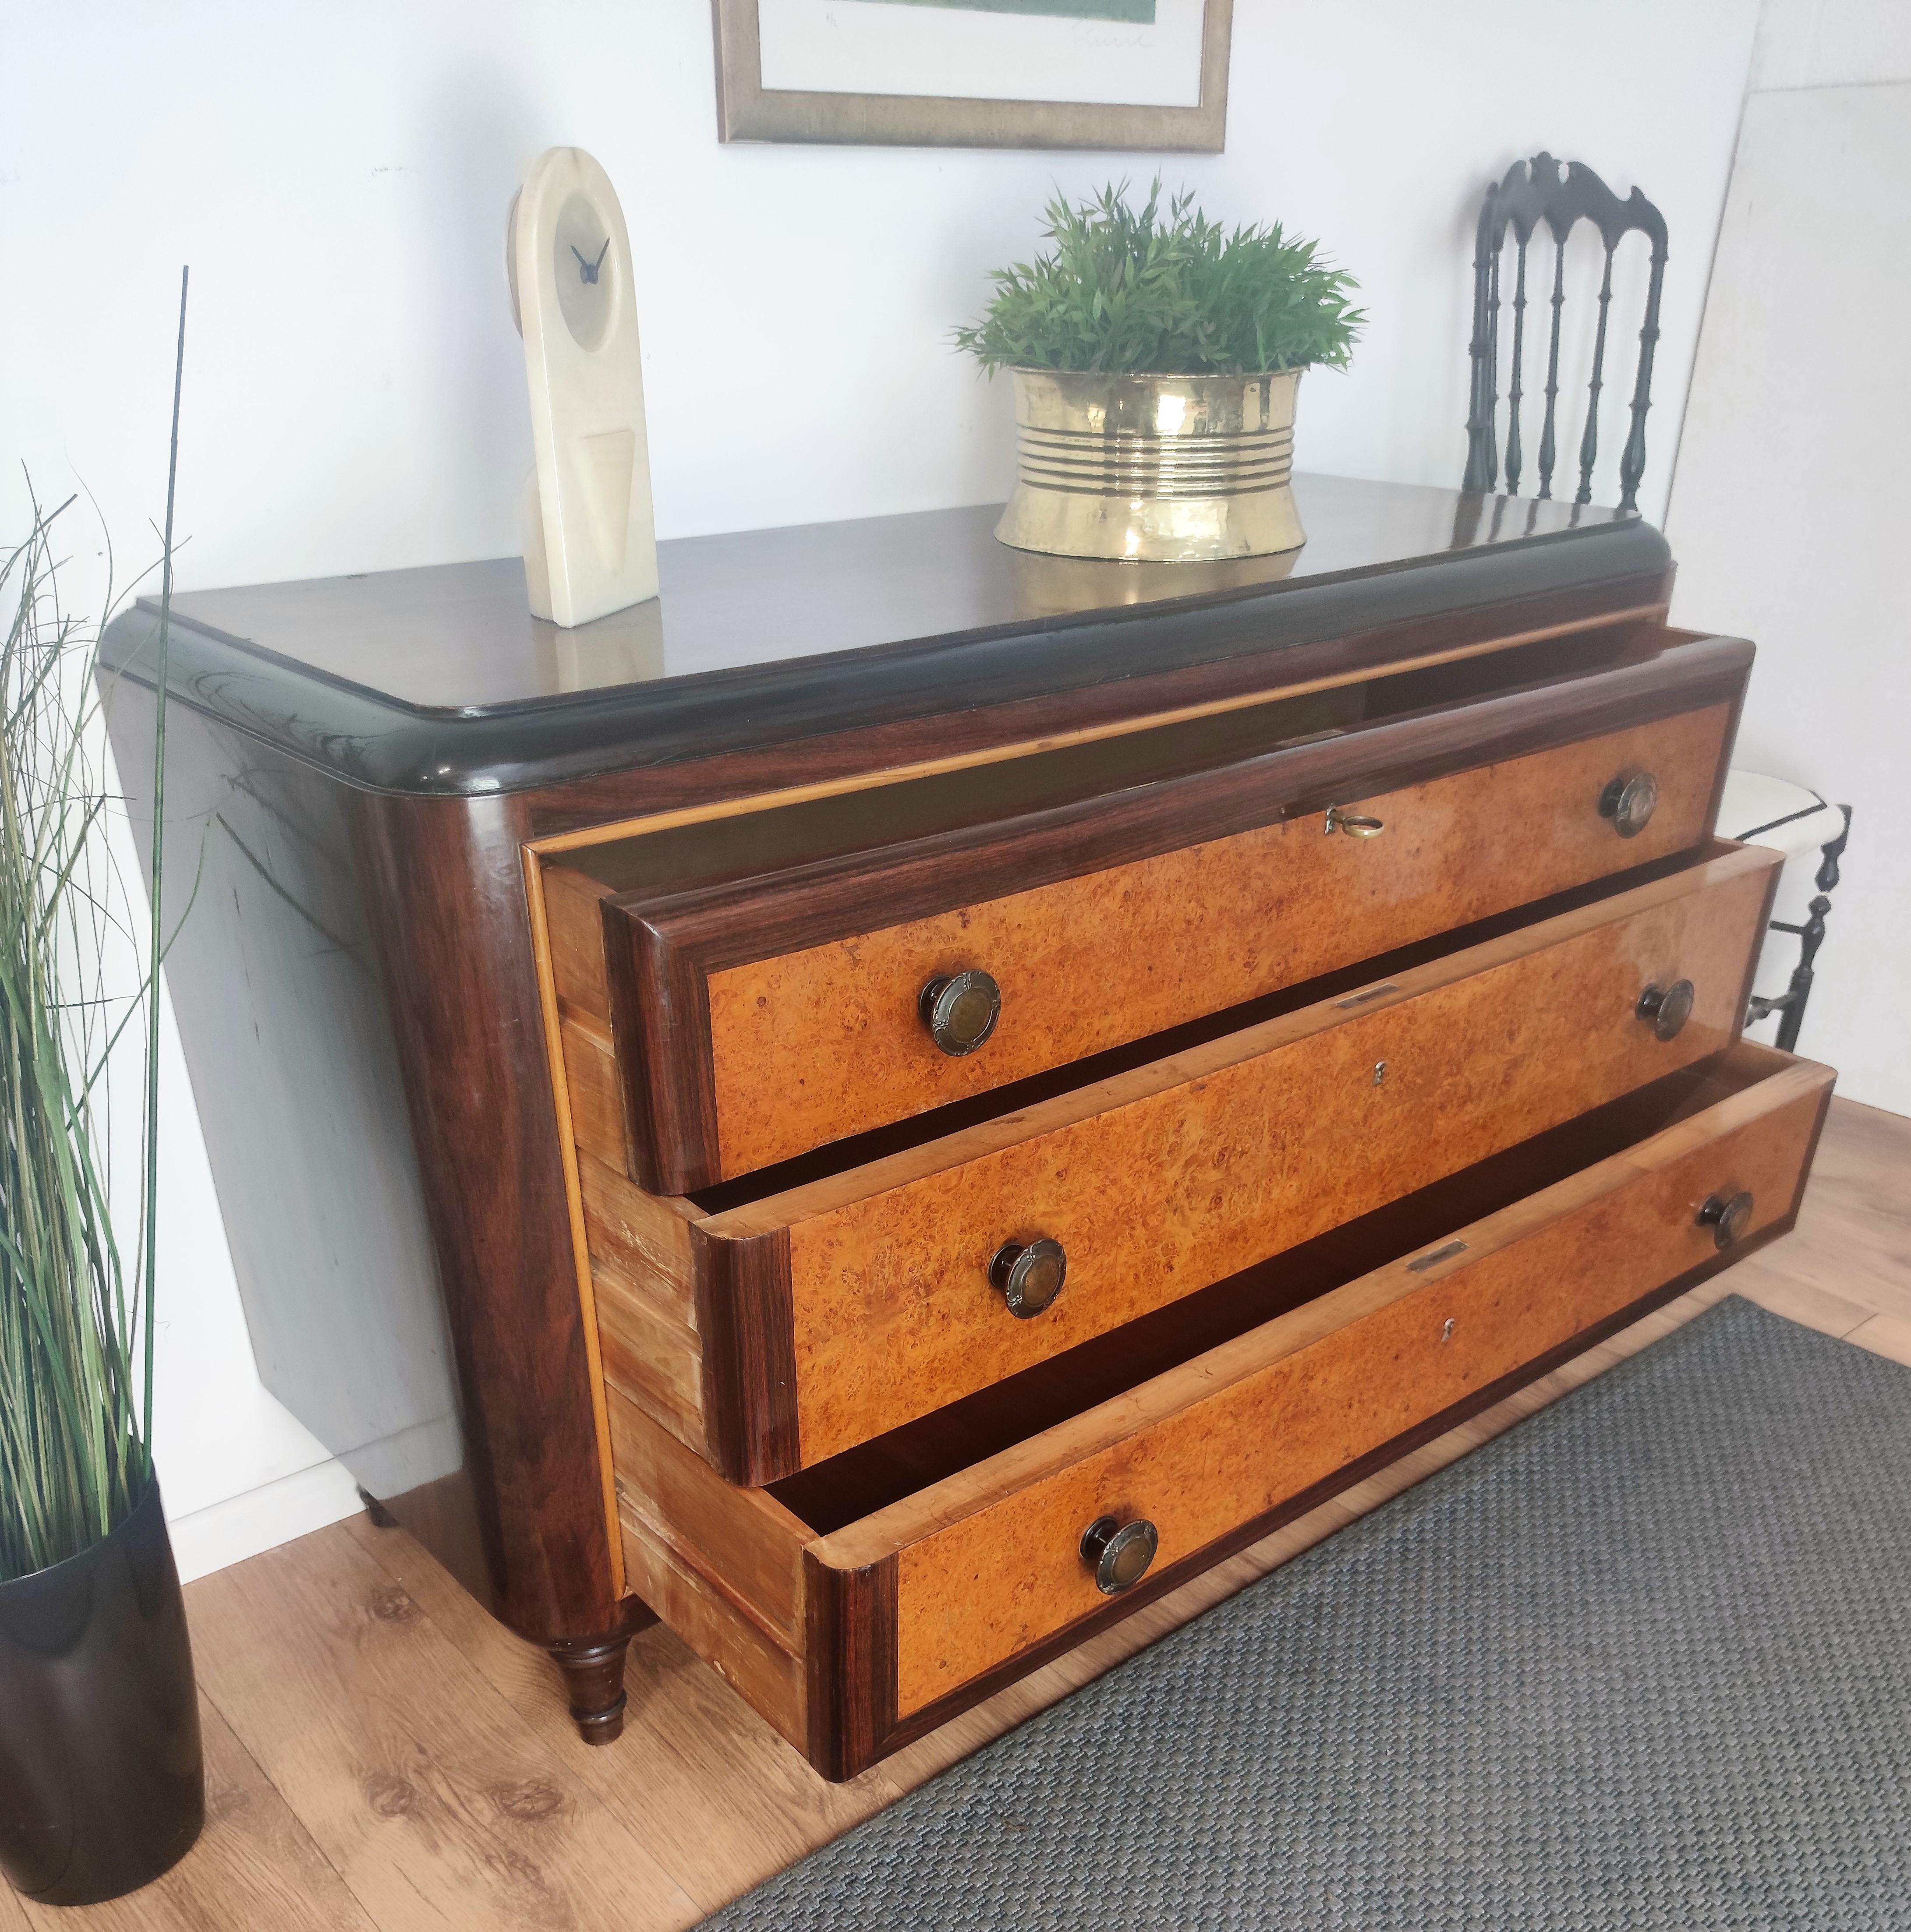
(1153, 469)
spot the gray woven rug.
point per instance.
(1643, 1662)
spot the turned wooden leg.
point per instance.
(593, 1676)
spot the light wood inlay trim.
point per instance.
(988, 1558)
(553, 1048)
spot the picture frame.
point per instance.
(748, 110)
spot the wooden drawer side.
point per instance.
(574, 925)
(771, 1679)
(646, 1237)
(653, 1359)
(743, 1536)
(723, 1566)
(597, 1103)
(642, 1287)
(637, 1245)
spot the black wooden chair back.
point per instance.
(1542, 189)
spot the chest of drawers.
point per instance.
(893, 1105)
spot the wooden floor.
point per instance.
(380, 1754)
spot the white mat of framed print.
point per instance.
(993, 73)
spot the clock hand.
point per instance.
(601, 254)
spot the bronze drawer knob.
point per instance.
(1728, 1216)
(1355, 824)
(960, 1010)
(1120, 1552)
(1630, 801)
(1667, 1007)
(1030, 1275)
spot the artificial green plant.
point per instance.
(1125, 289)
(76, 1324)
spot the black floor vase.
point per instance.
(102, 1786)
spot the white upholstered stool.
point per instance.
(1797, 821)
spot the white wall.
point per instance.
(337, 176)
(1830, 43)
(1792, 500)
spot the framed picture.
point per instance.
(975, 74)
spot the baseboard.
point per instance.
(229, 1531)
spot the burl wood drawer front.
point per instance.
(852, 1305)
(761, 1019)
(864, 1602)
(988, 1564)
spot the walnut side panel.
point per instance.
(445, 890)
(1357, 1369)
(1235, 1151)
(813, 1044)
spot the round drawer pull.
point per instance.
(1029, 1274)
(1727, 1215)
(960, 1010)
(1355, 824)
(1630, 801)
(1120, 1552)
(1667, 1007)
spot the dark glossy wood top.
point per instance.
(439, 680)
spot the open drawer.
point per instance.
(865, 1601)
(793, 1324)
(790, 1001)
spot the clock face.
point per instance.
(585, 271)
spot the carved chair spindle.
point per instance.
(1561, 195)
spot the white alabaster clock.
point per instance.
(589, 533)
